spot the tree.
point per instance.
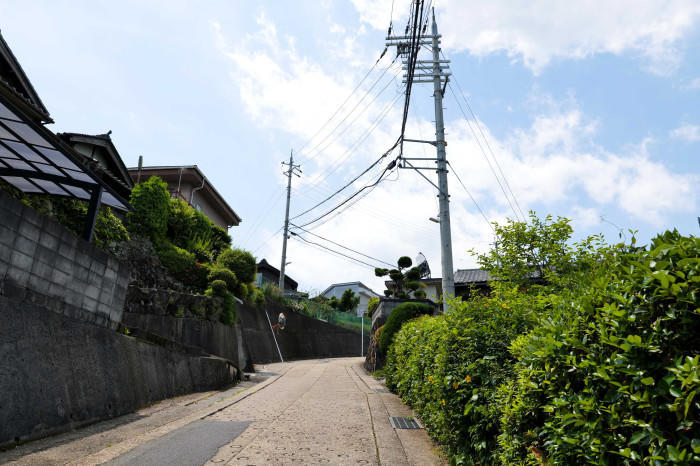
(539, 250)
(348, 301)
(403, 282)
(372, 305)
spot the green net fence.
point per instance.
(325, 313)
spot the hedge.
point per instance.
(606, 375)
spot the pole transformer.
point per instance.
(291, 170)
(433, 71)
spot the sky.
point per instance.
(588, 112)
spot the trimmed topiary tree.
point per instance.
(240, 262)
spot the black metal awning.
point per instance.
(34, 160)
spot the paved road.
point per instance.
(303, 412)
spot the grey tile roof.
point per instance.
(471, 276)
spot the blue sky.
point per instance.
(591, 111)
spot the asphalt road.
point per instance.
(304, 412)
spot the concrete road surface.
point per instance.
(303, 412)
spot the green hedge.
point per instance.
(449, 368)
(608, 374)
(401, 314)
(618, 381)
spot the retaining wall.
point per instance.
(303, 337)
(75, 277)
(57, 373)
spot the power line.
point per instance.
(488, 161)
(374, 164)
(483, 135)
(355, 194)
(344, 102)
(356, 144)
(471, 197)
(294, 235)
(310, 151)
(344, 247)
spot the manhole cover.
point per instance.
(381, 390)
(403, 423)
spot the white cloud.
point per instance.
(555, 162)
(540, 31)
(687, 132)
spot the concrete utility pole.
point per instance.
(433, 71)
(292, 170)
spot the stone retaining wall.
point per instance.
(69, 275)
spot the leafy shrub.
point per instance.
(219, 287)
(228, 316)
(228, 277)
(182, 265)
(257, 298)
(150, 202)
(241, 291)
(240, 262)
(449, 368)
(618, 380)
(72, 213)
(372, 305)
(220, 240)
(402, 313)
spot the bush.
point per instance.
(220, 240)
(219, 287)
(401, 314)
(150, 202)
(618, 380)
(258, 298)
(240, 262)
(449, 368)
(225, 275)
(182, 265)
(372, 305)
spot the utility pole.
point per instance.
(433, 71)
(292, 170)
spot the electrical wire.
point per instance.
(483, 135)
(344, 247)
(374, 164)
(454, 172)
(332, 251)
(337, 164)
(344, 102)
(308, 154)
(355, 194)
(488, 161)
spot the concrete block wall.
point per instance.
(44, 262)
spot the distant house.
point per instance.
(466, 282)
(269, 274)
(99, 153)
(189, 184)
(360, 289)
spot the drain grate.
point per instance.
(381, 390)
(403, 423)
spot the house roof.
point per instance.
(263, 264)
(115, 171)
(34, 160)
(472, 276)
(359, 284)
(462, 277)
(199, 176)
(15, 85)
